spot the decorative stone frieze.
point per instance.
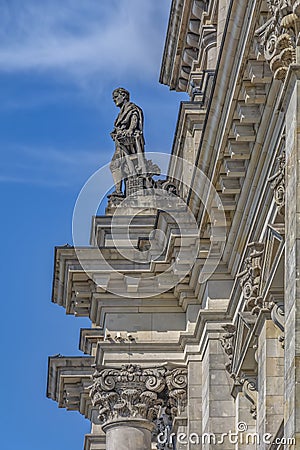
(140, 393)
(277, 37)
(227, 344)
(278, 184)
(250, 277)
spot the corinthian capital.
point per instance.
(135, 392)
(177, 390)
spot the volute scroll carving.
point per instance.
(278, 318)
(278, 36)
(249, 389)
(136, 392)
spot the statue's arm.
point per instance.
(133, 124)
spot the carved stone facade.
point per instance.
(194, 303)
(278, 36)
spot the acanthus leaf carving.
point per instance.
(176, 380)
(135, 392)
(278, 36)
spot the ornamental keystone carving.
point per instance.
(278, 184)
(227, 344)
(250, 278)
(278, 36)
(135, 392)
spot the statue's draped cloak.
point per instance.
(122, 122)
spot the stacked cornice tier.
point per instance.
(203, 287)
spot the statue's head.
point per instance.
(120, 95)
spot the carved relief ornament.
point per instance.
(278, 318)
(250, 277)
(135, 392)
(227, 343)
(278, 184)
(249, 389)
(278, 36)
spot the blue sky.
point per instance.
(59, 62)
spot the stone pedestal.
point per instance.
(128, 434)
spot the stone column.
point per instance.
(131, 400)
(128, 434)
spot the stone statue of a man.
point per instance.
(128, 159)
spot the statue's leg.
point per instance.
(117, 177)
(131, 167)
(116, 171)
(141, 156)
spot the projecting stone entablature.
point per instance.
(190, 49)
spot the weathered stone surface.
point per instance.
(236, 336)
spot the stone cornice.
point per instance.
(141, 352)
(95, 441)
(191, 33)
(68, 380)
(190, 121)
(140, 225)
(89, 339)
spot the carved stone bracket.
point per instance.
(227, 344)
(278, 36)
(278, 184)
(278, 317)
(249, 389)
(250, 278)
(135, 392)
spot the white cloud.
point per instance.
(82, 39)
